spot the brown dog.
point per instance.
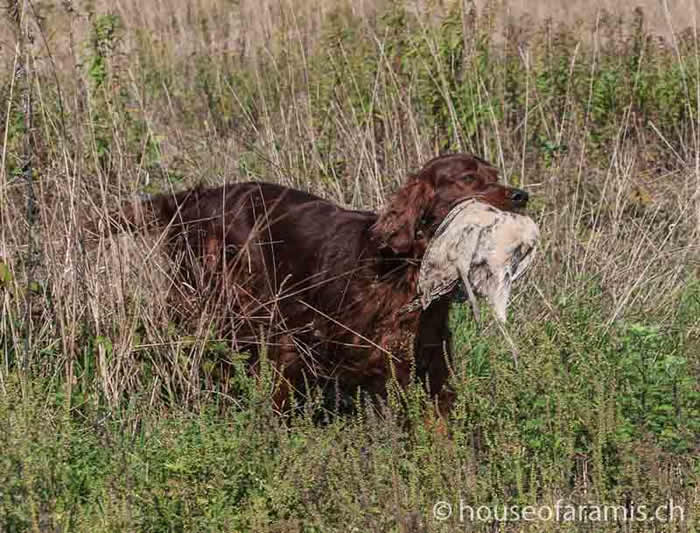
(325, 287)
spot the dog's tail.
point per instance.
(143, 213)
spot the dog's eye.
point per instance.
(424, 222)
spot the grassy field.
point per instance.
(111, 417)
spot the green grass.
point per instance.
(591, 415)
(114, 419)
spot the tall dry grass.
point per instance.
(169, 94)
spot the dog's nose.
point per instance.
(519, 197)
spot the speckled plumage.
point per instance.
(484, 247)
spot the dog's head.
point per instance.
(421, 204)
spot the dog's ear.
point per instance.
(396, 227)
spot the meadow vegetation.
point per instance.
(112, 417)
